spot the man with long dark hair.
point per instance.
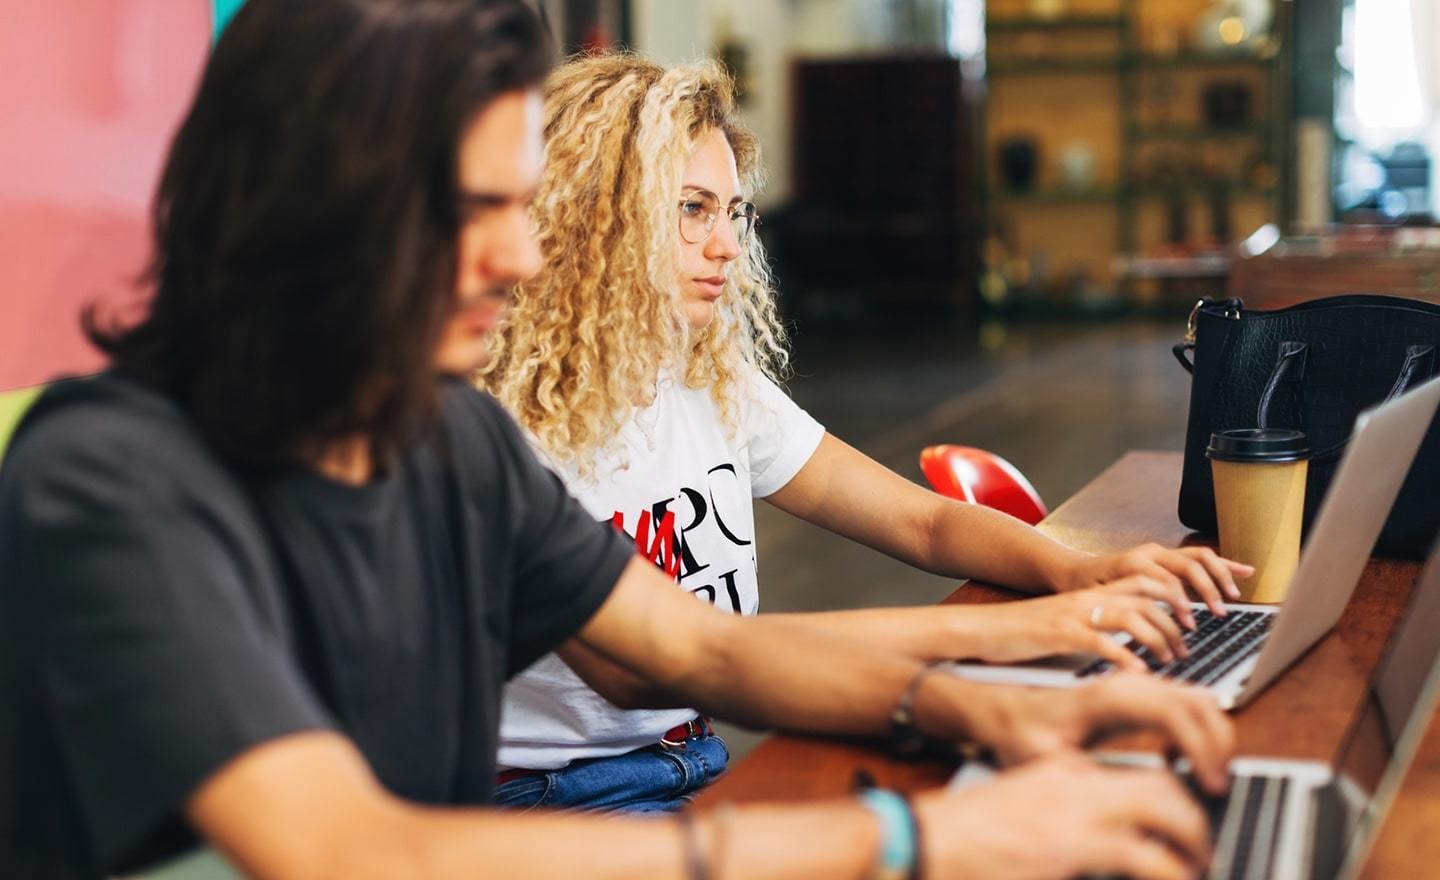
(261, 581)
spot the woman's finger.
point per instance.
(1132, 621)
(1221, 570)
(1167, 625)
(1121, 657)
(1197, 577)
(1172, 593)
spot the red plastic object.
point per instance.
(966, 473)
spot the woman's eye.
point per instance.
(693, 208)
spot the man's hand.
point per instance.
(1137, 823)
(1024, 723)
(1078, 621)
(1165, 574)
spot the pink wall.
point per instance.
(91, 95)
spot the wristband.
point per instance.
(897, 855)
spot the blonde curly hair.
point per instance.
(584, 342)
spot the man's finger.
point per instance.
(1136, 856)
(1162, 807)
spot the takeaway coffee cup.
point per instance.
(1259, 479)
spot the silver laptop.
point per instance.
(1309, 819)
(1236, 656)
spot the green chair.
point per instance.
(13, 405)
(202, 864)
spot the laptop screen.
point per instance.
(1398, 703)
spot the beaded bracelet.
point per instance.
(898, 855)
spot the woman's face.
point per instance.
(710, 174)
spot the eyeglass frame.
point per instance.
(732, 213)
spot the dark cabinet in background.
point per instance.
(884, 211)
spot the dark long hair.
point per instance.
(306, 222)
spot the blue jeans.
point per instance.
(654, 779)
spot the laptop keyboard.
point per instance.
(1217, 645)
(1245, 826)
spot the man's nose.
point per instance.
(515, 253)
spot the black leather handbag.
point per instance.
(1312, 367)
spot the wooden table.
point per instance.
(1301, 715)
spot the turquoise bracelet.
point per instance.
(898, 839)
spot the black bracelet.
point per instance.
(904, 737)
(720, 819)
(917, 868)
(695, 867)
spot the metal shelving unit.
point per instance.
(1131, 66)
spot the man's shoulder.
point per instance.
(106, 428)
(478, 422)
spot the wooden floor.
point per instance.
(1061, 402)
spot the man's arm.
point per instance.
(340, 823)
(850, 494)
(306, 807)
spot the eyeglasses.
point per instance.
(699, 209)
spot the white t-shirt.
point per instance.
(686, 499)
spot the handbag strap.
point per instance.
(1232, 309)
(1419, 365)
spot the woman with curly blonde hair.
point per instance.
(642, 362)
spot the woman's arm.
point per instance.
(1011, 632)
(770, 671)
(852, 495)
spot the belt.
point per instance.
(674, 738)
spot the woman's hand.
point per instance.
(1078, 621)
(1170, 571)
(1095, 820)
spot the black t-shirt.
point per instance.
(158, 616)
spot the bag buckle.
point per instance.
(1232, 312)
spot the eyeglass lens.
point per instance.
(699, 212)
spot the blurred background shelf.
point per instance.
(1151, 141)
(1060, 196)
(1195, 132)
(1031, 66)
(1026, 24)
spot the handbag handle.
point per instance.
(1419, 364)
(1289, 371)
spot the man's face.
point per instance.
(500, 163)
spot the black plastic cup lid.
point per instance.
(1258, 444)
